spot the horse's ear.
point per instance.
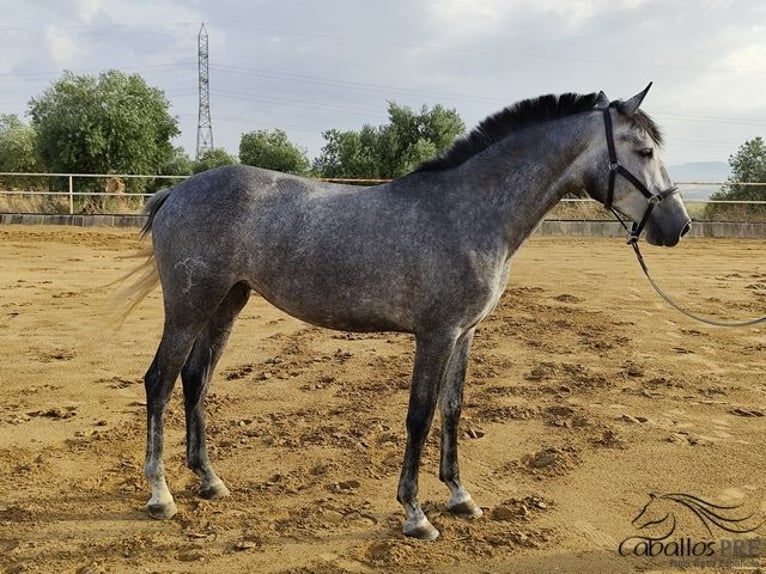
(631, 106)
(602, 101)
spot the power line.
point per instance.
(296, 103)
(388, 89)
(32, 76)
(32, 27)
(712, 119)
(462, 50)
(352, 85)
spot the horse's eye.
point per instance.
(646, 152)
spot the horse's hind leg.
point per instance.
(159, 381)
(196, 376)
(450, 402)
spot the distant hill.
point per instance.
(700, 171)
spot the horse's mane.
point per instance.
(520, 115)
(710, 513)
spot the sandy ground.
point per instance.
(585, 394)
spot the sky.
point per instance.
(308, 66)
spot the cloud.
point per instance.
(87, 10)
(747, 59)
(147, 14)
(62, 47)
(468, 18)
(309, 66)
(463, 19)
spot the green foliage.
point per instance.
(748, 165)
(17, 145)
(271, 149)
(390, 150)
(112, 123)
(213, 158)
(347, 154)
(17, 153)
(178, 164)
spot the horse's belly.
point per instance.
(343, 312)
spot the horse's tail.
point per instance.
(145, 276)
(152, 207)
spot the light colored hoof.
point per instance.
(162, 511)
(467, 508)
(214, 491)
(422, 529)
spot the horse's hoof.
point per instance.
(162, 511)
(422, 529)
(214, 491)
(467, 508)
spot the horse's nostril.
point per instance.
(686, 228)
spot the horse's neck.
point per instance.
(524, 176)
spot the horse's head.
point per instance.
(629, 175)
(654, 513)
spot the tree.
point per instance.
(413, 138)
(213, 158)
(17, 145)
(748, 165)
(273, 150)
(393, 149)
(17, 152)
(112, 123)
(348, 154)
(178, 164)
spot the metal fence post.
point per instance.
(71, 196)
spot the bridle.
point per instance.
(615, 168)
(634, 232)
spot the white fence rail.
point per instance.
(690, 186)
(71, 193)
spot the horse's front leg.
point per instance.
(450, 402)
(432, 356)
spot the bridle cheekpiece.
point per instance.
(615, 168)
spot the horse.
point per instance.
(427, 254)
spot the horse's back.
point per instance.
(226, 203)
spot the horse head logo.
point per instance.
(655, 514)
(662, 509)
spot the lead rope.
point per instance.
(633, 242)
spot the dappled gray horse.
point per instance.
(428, 254)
